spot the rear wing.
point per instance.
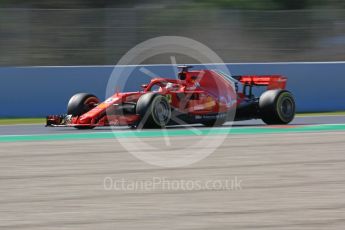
(271, 81)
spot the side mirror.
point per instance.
(144, 86)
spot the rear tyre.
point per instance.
(81, 103)
(277, 107)
(154, 110)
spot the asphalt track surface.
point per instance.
(285, 180)
(40, 129)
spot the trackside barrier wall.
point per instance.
(38, 91)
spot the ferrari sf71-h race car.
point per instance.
(208, 97)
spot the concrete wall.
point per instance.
(38, 91)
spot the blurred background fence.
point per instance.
(97, 36)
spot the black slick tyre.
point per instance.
(277, 107)
(154, 110)
(81, 103)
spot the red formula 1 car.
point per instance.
(209, 97)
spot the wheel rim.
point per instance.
(287, 108)
(90, 102)
(162, 112)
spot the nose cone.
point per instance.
(85, 119)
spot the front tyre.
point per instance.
(154, 110)
(277, 107)
(81, 103)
